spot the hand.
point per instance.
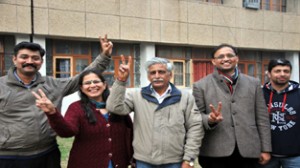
(264, 158)
(124, 69)
(44, 103)
(185, 165)
(215, 116)
(106, 45)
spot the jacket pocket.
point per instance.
(13, 136)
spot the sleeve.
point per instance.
(117, 102)
(67, 126)
(194, 127)
(198, 93)
(262, 118)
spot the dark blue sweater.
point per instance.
(284, 110)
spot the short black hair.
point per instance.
(29, 46)
(280, 61)
(235, 50)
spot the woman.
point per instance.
(101, 139)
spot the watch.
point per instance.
(190, 163)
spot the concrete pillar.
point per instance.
(293, 57)
(147, 52)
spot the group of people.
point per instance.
(229, 120)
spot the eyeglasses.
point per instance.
(91, 81)
(222, 56)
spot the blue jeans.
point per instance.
(284, 162)
(141, 164)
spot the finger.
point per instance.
(219, 107)
(101, 40)
(212, 108)
(105, 37)
(36, 95)
(129, 61)
(123, 60)
(42, 93)
(121, 68)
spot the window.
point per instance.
(2, 68)
(178, 56)
(178, 73)
(68, 66)
(247, 68)
(252, 4)
(202, 68)
(265, 77)
(274, 5)
(70, 58)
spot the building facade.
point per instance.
(184, 31)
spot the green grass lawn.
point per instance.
(65, 145)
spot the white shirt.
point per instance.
(160, 98)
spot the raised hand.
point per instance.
(106, 45)
(124, 69)
(215, 116)
(43, 102)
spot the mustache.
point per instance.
(32, 65)
(158, 80)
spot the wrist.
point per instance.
(190, 163)
(121, 79)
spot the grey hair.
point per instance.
(158, 60)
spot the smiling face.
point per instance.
(27, 62)
(280, 75)
(225, 60)
(159, 77)
(93, 87)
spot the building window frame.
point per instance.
(274, 5)
(71, 55)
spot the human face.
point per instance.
(280, 75)
(225, 60)
(27, 62)
(93, 87)
(159, 77)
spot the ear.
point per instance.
(269, 74)
(14, 59)
(213, 61)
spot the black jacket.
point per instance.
(284, 111)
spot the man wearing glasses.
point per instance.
(235, 117)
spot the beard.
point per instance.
(280, 83)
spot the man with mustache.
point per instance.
(235, 118)
(167, 124)
(282, 97)
(26, 138)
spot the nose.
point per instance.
(29, 60)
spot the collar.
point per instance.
(161, 98)
(99, 105)
(20, 80)
(173, 97)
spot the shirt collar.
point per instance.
(20, 80)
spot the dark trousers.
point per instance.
(233, 161)
(49, 160)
